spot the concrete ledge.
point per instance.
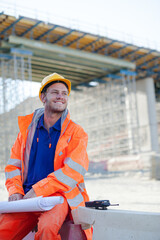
(119, 224)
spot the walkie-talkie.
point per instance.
(99, 204)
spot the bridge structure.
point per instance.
(100, 68)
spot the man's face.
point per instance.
(56, 98)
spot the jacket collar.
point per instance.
(65, 119)
(26, 122)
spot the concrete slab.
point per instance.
(119, 224)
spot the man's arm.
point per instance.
(13, 170)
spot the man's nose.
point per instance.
(59, 95)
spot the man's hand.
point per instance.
(30, 194)
(15, 197)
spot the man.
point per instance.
(48, 158)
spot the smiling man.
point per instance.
(48, 158)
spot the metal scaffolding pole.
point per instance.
(15, 81)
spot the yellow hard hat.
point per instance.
(54, 77)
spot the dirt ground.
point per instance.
(133, 192)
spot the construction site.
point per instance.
(115, 90)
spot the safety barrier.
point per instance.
(119, 224)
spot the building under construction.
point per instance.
(115, 88)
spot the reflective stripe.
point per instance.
(60, 153)
(69, 139)
(76, 200)
(81, 187)
(32, 128)
(69, 190)
(14, 162)
(75, 166)
(12, 174)
(64, 178)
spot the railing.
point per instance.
(50, 17)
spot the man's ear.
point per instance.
(43, 97)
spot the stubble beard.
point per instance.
(54, 109)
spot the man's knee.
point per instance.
(47, 231)
(48, 227)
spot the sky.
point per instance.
(135, 21)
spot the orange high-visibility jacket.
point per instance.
(70, 161)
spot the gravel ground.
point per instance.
(133, 192)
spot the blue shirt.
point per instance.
(41, 161)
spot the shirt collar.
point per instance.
(41, 121)
(57, 125)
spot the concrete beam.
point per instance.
(74, 53)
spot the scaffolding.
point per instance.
(15, 87)
(108, 113)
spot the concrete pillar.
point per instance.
(147, 115)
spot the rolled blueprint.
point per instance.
(30, 205)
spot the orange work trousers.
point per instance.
(15, 226)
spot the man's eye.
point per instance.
(63, 93)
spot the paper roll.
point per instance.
(30, 205)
